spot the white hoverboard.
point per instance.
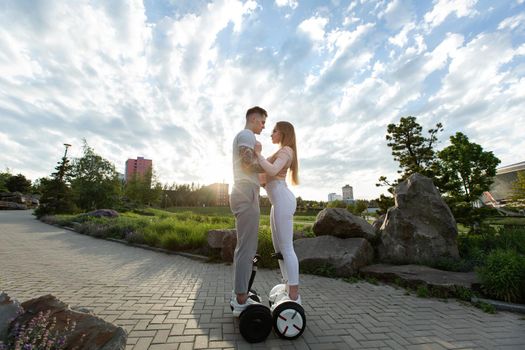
(289, 320)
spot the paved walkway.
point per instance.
(171, 302)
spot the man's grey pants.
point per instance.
(244, 203)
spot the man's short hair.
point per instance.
(257, 110)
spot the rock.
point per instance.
(378, 222)
(215, 237)
(298, 235)
(341, 223)
(9, 310)
(225, 241)
(98, 334)
(110, 213)
(229, 242)
(420, 227)
(15, 197)
(447, 282)
(346, 256)
(12, 205)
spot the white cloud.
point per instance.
(511, 23)
(175, 88)
(401, 39)
(443, 8)
(314, 27)
(287, 3)
(396, 14)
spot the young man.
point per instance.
(244, 203)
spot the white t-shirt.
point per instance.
(246, 138)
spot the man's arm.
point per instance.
(249, 160)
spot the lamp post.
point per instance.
(67, 146)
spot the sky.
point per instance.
(171, 80)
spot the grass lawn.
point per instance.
(179, 229)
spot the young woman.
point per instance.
(283, 201)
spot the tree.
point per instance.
(414, 152)
(57, 196)
(18, 183)
(95, 181)
(360, 206)
(4, 176)
(383, 203)
(37, 187)
(465, 172)
(518, 187)
(144, 190)
(336, 204)
(357, 207)
(468, 169)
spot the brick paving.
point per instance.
(172, 302)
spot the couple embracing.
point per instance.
(249, 167)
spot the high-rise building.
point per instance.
(220, 194)
(139, 167)
(334, 197)
(348, 194)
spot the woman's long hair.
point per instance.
(288, 139)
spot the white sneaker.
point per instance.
(239, 308)
(298, 301)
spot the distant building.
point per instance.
(334, 197)
(348, 194)
(501, 190)
(139, 167)
(220, 194)
(505, 177)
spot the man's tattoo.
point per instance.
(249, 160)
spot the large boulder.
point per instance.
(224, 241)
(229, 242)
(215, 237)
(420, 227)
(90, 332)
(345, 256)
(108, 213)
(12, 206)
(378, 222)
(341, 223)
(9, 310)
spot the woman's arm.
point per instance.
(276, 167)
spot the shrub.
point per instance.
(265, 248)
(463, 293)
(135, 237)
(503, 275)
(326, 269)
(422, 291)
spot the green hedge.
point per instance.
(503, 275)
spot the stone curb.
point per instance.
(501, 305)
(197, 257)
(161, 250)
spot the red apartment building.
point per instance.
(137, 166)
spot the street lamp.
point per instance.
(67, 146)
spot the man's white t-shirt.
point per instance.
(244, 138)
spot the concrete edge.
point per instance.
(501, 305)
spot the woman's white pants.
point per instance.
(281, 222)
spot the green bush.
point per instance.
(503, 275)
(474, 247)
(265, 248)
(422, 291)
